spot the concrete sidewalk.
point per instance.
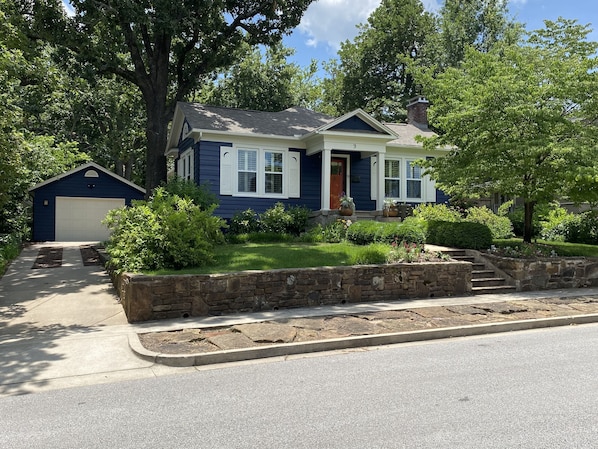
(64, 327)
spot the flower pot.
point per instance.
(390, 212)
(345, 211)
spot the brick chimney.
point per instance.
(417, 111)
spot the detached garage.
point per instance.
(70, 207)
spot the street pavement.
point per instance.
(64, 327)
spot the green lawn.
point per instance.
(270, 256)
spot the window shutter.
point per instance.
(373, 178)
(294, 173)
(227, 171)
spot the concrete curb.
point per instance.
(237, 355)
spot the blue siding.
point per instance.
(208, 171)
(354, 124)
(360, 182)
(74, 185)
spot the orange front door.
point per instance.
(338, 181)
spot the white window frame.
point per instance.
(427, 186)
(261, 172)
(185, 168)
(409, 177)
(400, 178)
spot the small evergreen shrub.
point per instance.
(412, 230)
(500, 226)
(363, 232)
(459, 234)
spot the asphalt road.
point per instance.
(532, 389)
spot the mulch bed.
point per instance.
(89, 256)
(48, 257)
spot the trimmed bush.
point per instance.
(459, 234)
(500, 226)
(583, 228)
(366, 232)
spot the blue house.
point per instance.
(253, 159)
(71, 206)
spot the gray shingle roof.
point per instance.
(407, 133)
(291, 122)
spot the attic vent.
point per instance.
(91, 174)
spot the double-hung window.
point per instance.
(247, 173)
(260, 171)
(414, 180)
(185, 165)
(392, 178)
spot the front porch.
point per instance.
(324, 217)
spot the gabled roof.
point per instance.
(406, 133)
(88, 166)
(292, 122)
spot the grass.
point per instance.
(271, 256)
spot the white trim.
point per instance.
(186, 165)
(87, 166)
(428, 186)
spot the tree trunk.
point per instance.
(157, 135)
(528, 221)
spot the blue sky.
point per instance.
(329, 22)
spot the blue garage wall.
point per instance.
(74, 185)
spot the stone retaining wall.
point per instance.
(548, 273)
(159, 297)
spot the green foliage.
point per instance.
(501, 227)
(276, 220)
(459, 234)
(517, 119)
(437, 212)
(582, 228)
(244, 222)
(554, 224)
(165, 232)
(365, 232)
(10, 247)
(185, 188)
(373, 254)
(259, 237)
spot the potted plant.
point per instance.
(391, 208)
(347, 205)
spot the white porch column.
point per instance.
(380, 195)
(326, 162)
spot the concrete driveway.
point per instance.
(61, 326)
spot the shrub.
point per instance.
(334, 232)
(275, 219)
(436, 212)
(500, 226)
(299, 218)
(553, 226)
(459, 234)
(583, 228)
(244, 222)
(165, 232)
(363, 232)
(200, 195)
(366, 232)
(10, 246)
(412, 230)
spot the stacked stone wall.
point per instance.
(160, 297)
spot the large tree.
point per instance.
(164, 47)
(371, 73)
(520, 119)
(264, 81)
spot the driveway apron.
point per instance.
(60, 322)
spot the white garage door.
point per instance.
(80, 219)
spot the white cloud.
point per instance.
(331, 22)
(68, 7)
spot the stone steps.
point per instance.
(483, 280)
